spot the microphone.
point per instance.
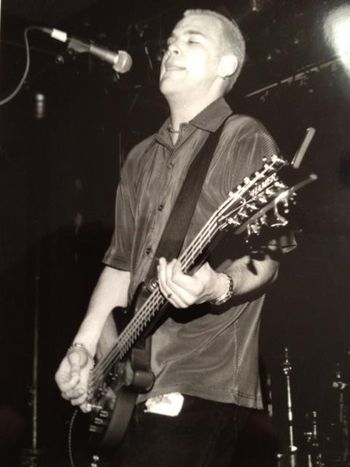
(121, 61)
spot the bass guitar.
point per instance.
(261, 200)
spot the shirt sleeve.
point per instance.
(119, 250)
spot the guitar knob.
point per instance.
(99, 422)
(96, 429)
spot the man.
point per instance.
(205, 362)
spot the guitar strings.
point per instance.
(145, 310)
(132, 331)
(186, 260)
(156, 297)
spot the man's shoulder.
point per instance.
(140, 148)
(245, 122)
(136, 157)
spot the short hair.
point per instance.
(233, 40)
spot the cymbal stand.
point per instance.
(340, 386)
(287, 368)
(289, 459)
(314, 456)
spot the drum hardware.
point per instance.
(288, 459)
(340, 427)
(314, 456)
(287, 369)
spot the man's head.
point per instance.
(205, 54)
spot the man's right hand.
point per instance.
(72, 376)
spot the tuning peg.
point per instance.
(243, 215)
(277, 160)
(254, 228)
(286, 206)
(279, 184)
(246, 180)
(232, 221)
(258, 174)
(270, 191)
(251, 206)
(235, 191)
(263, 220)
(262, 199)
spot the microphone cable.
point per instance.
(70, 435)
(26, 69)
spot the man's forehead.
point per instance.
(202, 23)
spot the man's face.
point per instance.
(191, 61)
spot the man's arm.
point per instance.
(249, 275)
(72, 375)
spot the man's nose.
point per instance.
(174, 48)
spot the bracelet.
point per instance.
(227, 295)
(77, 345)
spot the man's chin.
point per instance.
(168, 87)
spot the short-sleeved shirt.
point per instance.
(197, 351)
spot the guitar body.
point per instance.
(116, 397)
(108, 424)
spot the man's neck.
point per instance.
(183, 112)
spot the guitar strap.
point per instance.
(175, 230)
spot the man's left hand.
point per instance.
(183, 290)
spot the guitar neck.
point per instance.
(233, 212)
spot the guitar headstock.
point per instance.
(262, 200)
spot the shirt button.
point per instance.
(161, 207)
(148, 250)
(170, 165)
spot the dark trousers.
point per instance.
(204, 434)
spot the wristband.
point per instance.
(227, 295)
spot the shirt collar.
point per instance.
(208, 119)
(212, 116)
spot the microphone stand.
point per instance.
(31, 455)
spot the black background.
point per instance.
(68, 161)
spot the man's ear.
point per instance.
(227, 66)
